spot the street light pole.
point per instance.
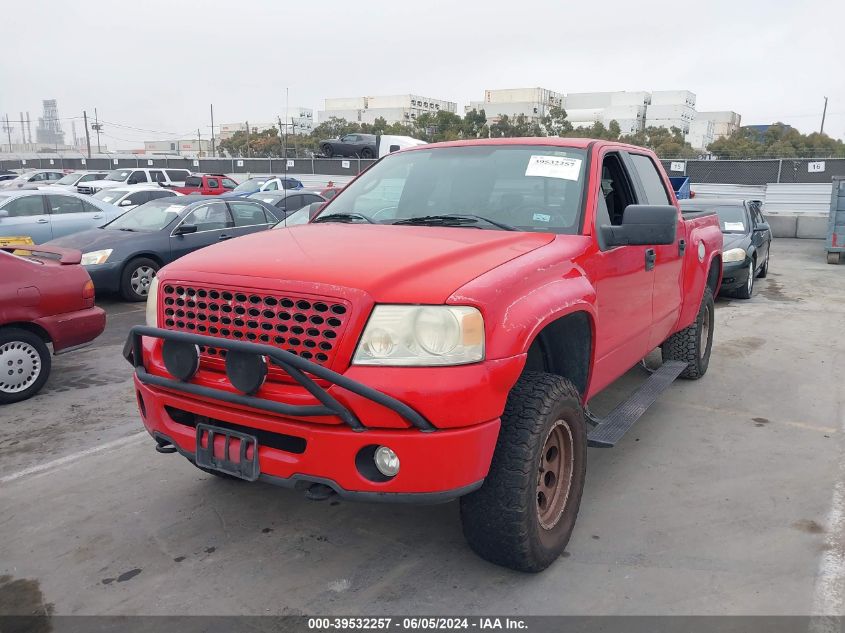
(824, 112)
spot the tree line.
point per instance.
(448, 126)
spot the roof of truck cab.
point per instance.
(551, 141)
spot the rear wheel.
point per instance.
(366, 153)
(523, 515)
(137, 277)
(24, 364)
(833, 258)
(693, 344)
(327, 151)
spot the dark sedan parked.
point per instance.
(747, 240)
(363, 145)
(288, 201)
(125, 254)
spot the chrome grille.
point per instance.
(307, 326)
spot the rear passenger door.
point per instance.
(71, 215)
(668, 262)
(249, 217)
(26, 216)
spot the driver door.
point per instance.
(214, 224)
(624, 284)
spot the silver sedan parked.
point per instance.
(40, 216)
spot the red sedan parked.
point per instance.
(46, 296)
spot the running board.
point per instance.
(610, 430)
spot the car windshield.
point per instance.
(110, 195)
(250, 185)
(527, 187)
(70, 179)
(118, 175)
(152, 216)
(732, 219)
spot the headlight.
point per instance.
(734, 255)
(151, 310)
(96, 257)
(421, 335)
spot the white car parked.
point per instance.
(70, 181)
(127, 198)
(135, 176)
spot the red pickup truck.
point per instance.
(207, 184)
(437, 332)
(46, 296)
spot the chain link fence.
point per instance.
(758, 171)
(737, 172)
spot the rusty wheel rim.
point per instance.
(554, 476)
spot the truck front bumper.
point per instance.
(436, 465)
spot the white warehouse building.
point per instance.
(392, 108)
(628, 109)
(725, 122)
(534, 103)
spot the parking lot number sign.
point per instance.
(23, 162)
(83, 161)
(196, 163)
(676, 166)
(240, 163)
(115, 161)
(149, 162)
(816, 166)
(290, 163)
(344, 164)
(52, 162)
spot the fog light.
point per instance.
(182, 360)
(386, 461)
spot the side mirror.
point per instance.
(644, 224)
(185, 229)
(763, 226)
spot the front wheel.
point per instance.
(747, 289)
(137, 277)
(523, 515)
(24, 364)
(693, 344)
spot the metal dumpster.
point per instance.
(836, 222)
(681, 186)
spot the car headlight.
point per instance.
(151, 311)
(734, 255)
(96, 257)
(421, 335)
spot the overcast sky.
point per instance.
(157, 65)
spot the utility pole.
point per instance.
(87, 136)
(96, 127)
(213, 153)
(824, 112)
(283, 138)
(247, 140)
(8, 129)
(199, 143)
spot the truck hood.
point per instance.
(400, 264)
(102, 184)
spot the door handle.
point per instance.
(42, 221)
(650, 257)
(682, 247)
(97, 217)
(224, 237)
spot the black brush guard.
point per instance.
(296, 367)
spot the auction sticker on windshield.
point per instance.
(554, 167)
(734, 226)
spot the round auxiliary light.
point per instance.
(437, 331)
(386, 461)
(246, 371)
(182, 360)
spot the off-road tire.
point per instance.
(17, 345)
(693, 344)
(502, 519)
(126, 290)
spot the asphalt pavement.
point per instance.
(727, 497)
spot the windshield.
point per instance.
(250, 185)
(118, 175)
(530, 188)
(732, 219)
(70, 179)
(110, 195)
(152, 216)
